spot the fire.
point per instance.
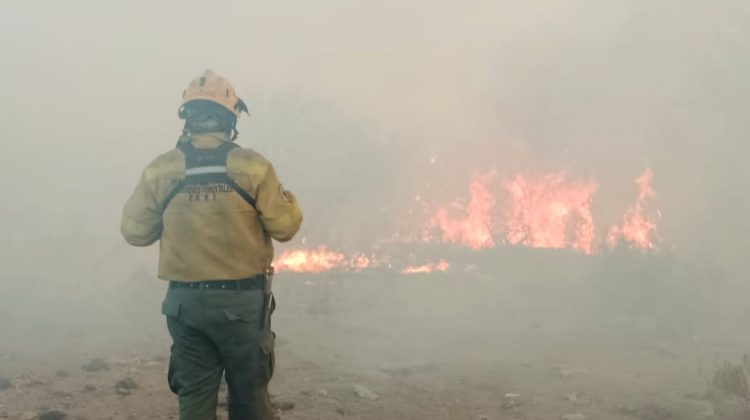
(309, 261)
(441, 266)
(360, 262)
(320, 260)
(474, 229)
(550, 212)
(639, 226)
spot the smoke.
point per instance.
(362, 106)
(362, 97)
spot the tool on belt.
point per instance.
(269, 303)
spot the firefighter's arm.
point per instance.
(278, 208)
(141, 219)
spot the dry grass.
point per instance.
(731, 379)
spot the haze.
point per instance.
(361, 106)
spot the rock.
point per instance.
(323, 392)
(709, 412)
(5, 383)
(577, 399)
(363, 392)
(62, 394)
(283, 405)
(53, 415)
(406, 369)
(89, 388)
(511, 401)
(510, 404)
(626, 409)
(567, 372)
(577, 416)
(95, 365)
(126, 386)
(61, 373)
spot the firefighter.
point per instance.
(215, 208)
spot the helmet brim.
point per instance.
(212, 100)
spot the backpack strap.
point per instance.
(204, 166)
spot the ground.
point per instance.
(548, 343)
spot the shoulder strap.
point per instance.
(242, 193)
(206, 165)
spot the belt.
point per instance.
(251, 283)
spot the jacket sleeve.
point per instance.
(279, 212)
(141, 219)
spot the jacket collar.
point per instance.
(208, 140)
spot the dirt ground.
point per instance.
(613, 338)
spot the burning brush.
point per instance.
(550, 211)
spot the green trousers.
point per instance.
(215, 333)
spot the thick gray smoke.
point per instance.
(351, 102)
(361, 105)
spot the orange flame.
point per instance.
(638, 227)
(320, 260)
(473, 230)
(309, 261)
(550, 212)
(359, 262)
(441, 266)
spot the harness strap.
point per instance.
(206, 166)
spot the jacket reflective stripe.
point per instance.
(197, 243)
(202, 170)
(213, 171)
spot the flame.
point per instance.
(309, 261)
(320, 260)
(360, 262)
(473, 230)
(441, 266)
(638, 227)
(550, 212)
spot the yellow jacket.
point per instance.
(211, 233)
